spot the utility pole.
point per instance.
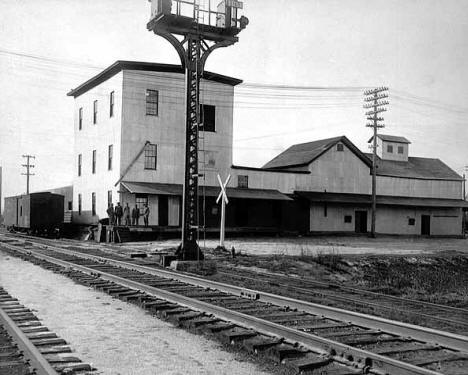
(464, 218)
(374, 100)
(1, 217)
(195, 31)
(28, 166)
(464, 183)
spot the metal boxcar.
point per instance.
(34, 212)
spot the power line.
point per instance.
(250, 89)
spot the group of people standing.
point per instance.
(116, 214)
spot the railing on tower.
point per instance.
(180, 16)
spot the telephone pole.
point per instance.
(464, 216)
(28, 166)
(464, 182)
(375, 101)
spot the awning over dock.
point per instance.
(366, 199)
(209, 191)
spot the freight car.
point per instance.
(36, 213)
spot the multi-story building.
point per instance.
(129, 133)
(130, 148)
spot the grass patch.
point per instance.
(441, 280)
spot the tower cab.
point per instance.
(189, 16)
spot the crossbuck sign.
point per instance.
(224, 201)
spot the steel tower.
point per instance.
(194, 30)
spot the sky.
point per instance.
(305, 64)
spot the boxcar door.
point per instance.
(17, 212)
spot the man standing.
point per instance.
(126, 214)
(110, 213)
(146, 215)
(118, 213)
(135, 215)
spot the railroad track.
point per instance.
(29, 348)
(427, 314)
(431, 315)
(327, 336)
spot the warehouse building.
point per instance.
(130, 148)
(415, 196)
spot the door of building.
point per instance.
(241, 213)
(426, 225)
(360, 222)
(163, 211)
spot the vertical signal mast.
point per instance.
(194, 29)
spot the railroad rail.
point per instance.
(431, 315)
(446, 318)
(364, 342)
(28, 348)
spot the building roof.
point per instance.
(120, 65)
(304, 153)
(243, 168)
(422, 168)
(385, 200)
(390, 138)
(210, 191)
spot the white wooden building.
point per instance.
(130, 148)
(415, 196)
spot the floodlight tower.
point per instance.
(200, 30)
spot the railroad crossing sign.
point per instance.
(224, 201)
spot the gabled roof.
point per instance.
(423, 168)
(390, 138)
(305, 153)
(120, 65)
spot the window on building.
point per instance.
(109, 198)
(411, 221)
(400, 149)
(111, 104)
(80, 119)
(390, 149)
(93, 204)
(70, 205)
(340, 147)
(348, 219)
(94, 162)
(243, 181)
(21, 210)
(151, 152)
(95, 108)
(79, 204)
(325, 209)
(152, 101)
(141, 201)
(109, 157)
(79, 164)
(207, 118)
(208, 158)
